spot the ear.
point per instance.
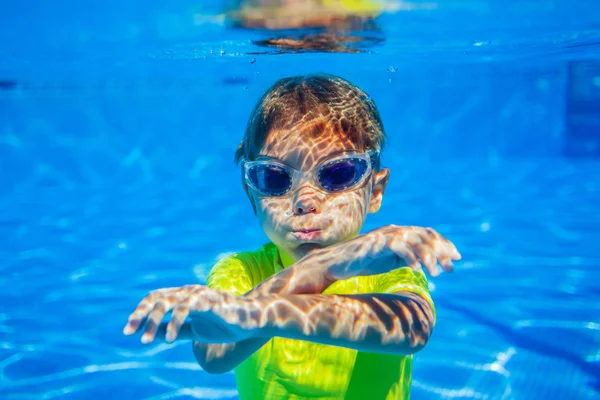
(247, 190)
(380, 180)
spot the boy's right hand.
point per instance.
(376, 252)
(391, 247)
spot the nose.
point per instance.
(306, 201)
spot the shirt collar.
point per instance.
(286, 260)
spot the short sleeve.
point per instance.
(230, 275)
(404, 280)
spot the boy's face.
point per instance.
(309, 217)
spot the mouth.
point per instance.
(307, 234)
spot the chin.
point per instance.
(306, 248)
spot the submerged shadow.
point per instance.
(7, 84)
(328, 42)
(526, 342)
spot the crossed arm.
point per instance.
(226, 329)
(385, 323)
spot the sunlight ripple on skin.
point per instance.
(320, 230)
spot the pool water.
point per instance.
(117, 132)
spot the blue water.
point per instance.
(117, 130)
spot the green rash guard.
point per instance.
(294, 369)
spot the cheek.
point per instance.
(348, 211)
(271, 211)
(350, 204)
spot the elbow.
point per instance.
(420, 331)
(418, 345)
(410, 341)
(416, 341)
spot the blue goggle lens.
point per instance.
(271, 180)
(343, 174)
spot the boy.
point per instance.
(320, 311)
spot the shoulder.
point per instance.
(240, 272)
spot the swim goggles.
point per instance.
(272, 178)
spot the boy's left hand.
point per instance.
(217, 316)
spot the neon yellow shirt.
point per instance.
(295, 369)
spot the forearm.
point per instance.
(221, 358)
(318, 270)
(381, 323)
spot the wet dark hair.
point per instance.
(334, 102)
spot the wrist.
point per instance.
(262, 311)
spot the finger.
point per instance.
(417, 246)
(446, 245)
(178, 317)
(137, 317)
(446, 253)
(405, 253)
(185, 332)
(154, 319)
(430, 234)
(446, 263)
(455, 255)
(439, 250)
(424, 253)
(436, 242)
(444, 249)
(423, 244)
